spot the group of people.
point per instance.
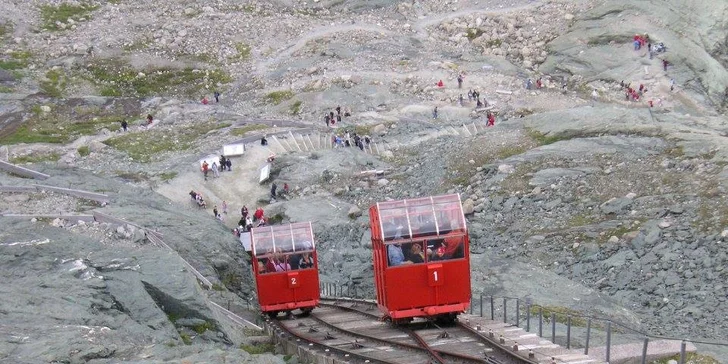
(635, 94)
(279, 262)
(197, 197)
(450, 247)
(331, 119)
(216, 95)
(225, 164)
(247, 221)
(125, 124)
(351, 140)
(274, 192)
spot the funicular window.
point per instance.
(435, 230)
(284, 248)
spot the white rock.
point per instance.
(664, 224)
(45, 109)
(387, 154)
(536, 191)
(354, 212)
(613, 239)
(207, 9)
(182, 33)
(471, 161)
(631, 195)
(478, 22)
(724, 234)
(506, 169)
(382, 182)
(569, 16)
(468, 207)
(575, 246)
(189, 11)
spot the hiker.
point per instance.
(271, 158)
(470, 95)
(529, 84)
(150, 118)
(224, 207)
(621, 84)
(327, 120)
(273, 191)
(286, 190)
(664, 64)
(461, 99)
(124, 125)
(217, 96)
(434, 113)
(204, 100)
(258, 213)
(347, 112)
(460, 81)
(636, 42)
(205, 168)
(244, 211)
(214, 211)
(215, 172)
(263, 141)
(539, 83)
(229, 165)
(594, 95)
(491, 119)
(649, 49)
(338, 110)
(440, 84)
(222, 162)
(478, 104)
(672, 84)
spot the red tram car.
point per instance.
(421, 258)
(285, 268)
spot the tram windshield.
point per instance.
(422, 230)
(281, 248)
(420, 217)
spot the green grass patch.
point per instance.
(142, 147)
(276, 97)
(244, 50)
(217, 287)
(261, 348)
(135, 177)
(473, 33)
(51, 14)
(5, 29)
(493, 43)
(36, 158)
(15, 60)
(55, 83)
(561, 315)
(543, 139)
(295, 107)
(84, 151)
(690, 358)
(114, 78)
(185, 338)
(509, 151)
(6, 89)
(246, 129)
(56, 128)
(200, 329)
(167, 176)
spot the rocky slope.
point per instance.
(576, 198)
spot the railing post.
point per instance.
(481, 305)
(588, 332)
(518, 312)
(644, 350)
(492, 309)
(505, 310)
(609, 340)
(471, 303)
(568, 332)
(682, 352)
(540, 322)
(528, 317)
(553, 327)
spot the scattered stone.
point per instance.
(468, 207)
(354, 212)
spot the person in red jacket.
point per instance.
(258, 214)
(205, 169)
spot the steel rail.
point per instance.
(436, 354)
(513, 355)
(290, 331)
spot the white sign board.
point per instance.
(232, 150)
(245, 241)
(264, 173)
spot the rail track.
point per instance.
(354, 331)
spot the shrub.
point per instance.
(84, 151)
(51, 14)
(276, 97)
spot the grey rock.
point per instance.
(616, 205)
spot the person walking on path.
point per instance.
(214, 211)
(460, 81)
(244, 211)
(461, 99)
(665, 63)
(434, 113)
(124, 125)
(215, 172)
(672, 84)
(229, 165)
(273, 191)
(491, 119)
(205, 168)
(217, 96)
(224, 207)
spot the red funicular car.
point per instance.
(285, 268)
(421, 258)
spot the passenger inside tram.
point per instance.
(306, 261)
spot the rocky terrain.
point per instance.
(576, 198)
